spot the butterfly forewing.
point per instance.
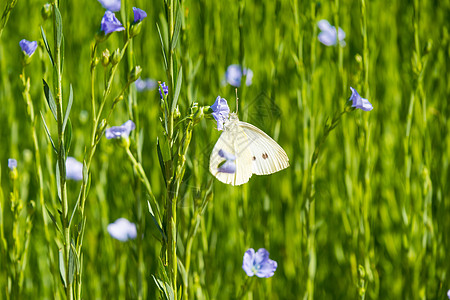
(267, 156)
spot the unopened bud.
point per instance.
(115, 58)
(46, 11)
(134, 74)
(105, 57)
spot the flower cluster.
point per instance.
(165, 90)
(110, 23)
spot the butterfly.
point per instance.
(250, 149)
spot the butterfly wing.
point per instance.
(267, 156)
(229, 141)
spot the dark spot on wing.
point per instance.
(254, 158)
(265, 156)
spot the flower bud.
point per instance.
(46, 11)
(105, 57)
(134, 74)
(115, 58)
(135, 29)
(100, 129)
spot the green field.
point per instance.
(362, 212)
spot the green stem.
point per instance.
(5, 17)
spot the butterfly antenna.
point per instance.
(237, 99)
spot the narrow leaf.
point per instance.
(182, 270)
(72, 258)
(161, 160)
(69, 107)
(155, 221)
(176, 32)
(177, 89)
(59, 27)
(52, 217)
(58, 183)
(48, 134)
(163, 49)
(62, 268)
(47, 47)
(50, 100)
(68, 138)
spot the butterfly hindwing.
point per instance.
(267, 156)
(230, 142)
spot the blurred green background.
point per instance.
(378, 227)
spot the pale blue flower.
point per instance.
(145, 84)
(233, 75)
(258, 263)
(110, 23)
(123, 131)
(328, 34)
(165, 89)
(139, 14)
(74, 169)
(229, 166)
(28, 47)
(448, 294)
(112, 5)
(122, 230)
(12, 163)
(220, 111)
(359, 102)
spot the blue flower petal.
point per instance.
(165, 89)
(359, 102)
(145, 84)
(112, 5)
(123, 131)
(110, 23)
(139, 14)
(28, 47)
(220, 111)
(74, 169)
(259, 263)
(328, 35)
(12, 163)
(228, 167)
(226, 155)
(233, 75)
(122, 230)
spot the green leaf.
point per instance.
(62, 268)
(161, 160)
(163, 48)
(155, 221)
(52, 217)
(50, 100)
(47, 47)
(68, 138)
(58, 182)
(72, 259)
(177, 89)
(69, 107)
(176, 32)
(59, 27)
(62, 55)
(48, 134)
(182, 270)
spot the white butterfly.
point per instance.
(255, 152)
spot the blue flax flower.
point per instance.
(28, 47)
(359, 102)
(145, 84)
(139, 14)
(110, 23)
(112, 5)
(220, 111)
(122, 131)
(448, 294)
(12, 163)
(122, 230)
(74, 169)
(258, 263)
(165, 89)
(233, 75)
(229, 165)
(328, 34)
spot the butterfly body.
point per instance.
(255, 152)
